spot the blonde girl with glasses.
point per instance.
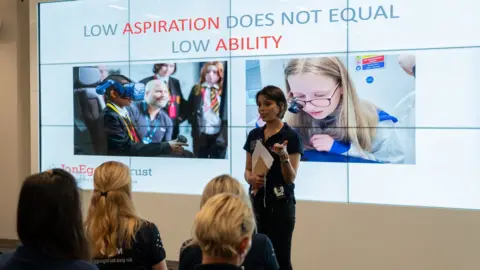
(331, 118)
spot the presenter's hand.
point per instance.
(322, 142)
(256, 181)
(281, 149)
(177, 147)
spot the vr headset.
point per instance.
(131, 90)
(293, 106)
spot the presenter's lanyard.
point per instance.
(131, 131)
(150, 132)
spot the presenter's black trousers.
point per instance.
(277, 221)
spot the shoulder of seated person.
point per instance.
(108, 113)
(186, 244)
(147, 225)
(164, 114)
(259, 237)
(83, 265)
(5, 257)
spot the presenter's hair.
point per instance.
(355, 117)
(223, 222)
(112, 219)
(49, 216)
(275, 94)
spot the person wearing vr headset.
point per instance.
(118, 134)
(332, 119)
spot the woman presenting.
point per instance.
(273, 194)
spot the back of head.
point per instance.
(223, 184)
(112, 220)
(49, 217)
(223, 225)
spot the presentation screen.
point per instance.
(383, 94)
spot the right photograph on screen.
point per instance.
(355, 108)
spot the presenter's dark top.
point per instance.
(217, 266)
(146, 251)
(115, 137)
(260, 257)
(275, 176)
(25, 258)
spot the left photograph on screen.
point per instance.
(147, 110)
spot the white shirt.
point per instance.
(122, 111)
(163, 79)
(211, 120)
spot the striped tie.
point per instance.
(214, 100)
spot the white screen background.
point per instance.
(447, 122)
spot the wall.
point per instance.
(15, 107)
(327, 236)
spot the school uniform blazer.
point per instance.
(114, 139)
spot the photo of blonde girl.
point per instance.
(341, 109)
(332, 118)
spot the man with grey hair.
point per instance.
(152, 123)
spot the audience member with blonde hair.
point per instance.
(223, 230)
(49, 225)
(261, 255)
(119, 238)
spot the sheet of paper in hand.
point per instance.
(262, 160)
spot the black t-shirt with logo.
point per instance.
(274, 175)
(146, 251)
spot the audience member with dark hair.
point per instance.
(120, 239)
(261, 255)
(49, 225)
